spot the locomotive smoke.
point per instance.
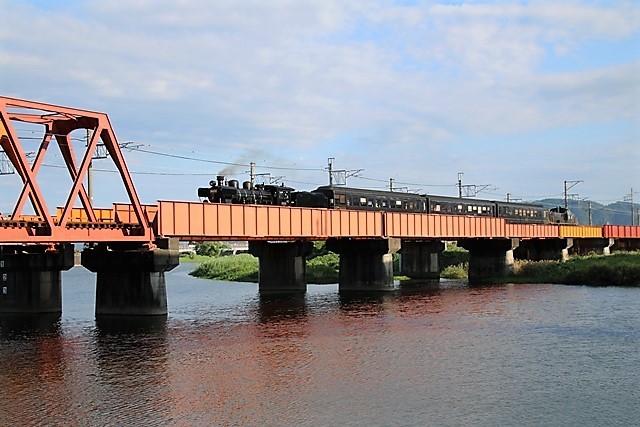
(229, 170)
(236, 168)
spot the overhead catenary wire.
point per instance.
(219, 162)
(300, 169)
(273, 167)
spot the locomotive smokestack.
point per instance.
(220, 179)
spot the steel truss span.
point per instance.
(68, 223)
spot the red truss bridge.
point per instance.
(130, 245)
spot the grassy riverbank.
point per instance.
(233, 268)
(619, 269)
(322, 267)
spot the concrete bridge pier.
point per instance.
(544, 249)
(419, 259)
(30, 279)
(282, 265)
(365, 265)
(489, 258)
(130, 280)
(592, 246)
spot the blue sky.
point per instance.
(519, 96)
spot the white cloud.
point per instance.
(299, 76)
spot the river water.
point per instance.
(525, 355)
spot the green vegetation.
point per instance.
(458, 271)
(211, 249)
(194, 259)
(235, 268)
(322, 266)
(454, 262)
(620, 269)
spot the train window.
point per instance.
(436, 208)
(369, 203)
(384, 203)
(398, 203)
(460, 208)
(363, 201)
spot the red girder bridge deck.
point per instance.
(196, 221)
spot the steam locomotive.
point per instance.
(338, 197)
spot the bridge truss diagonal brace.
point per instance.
(60, 122)
(9, 142)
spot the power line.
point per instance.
(138, 172)
(405, 183)
(218, 162)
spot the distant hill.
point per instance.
(618, 213)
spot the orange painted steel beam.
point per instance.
(208, 221)
(213, 221)
(415, 225)
(621, 231)
(580, 231)
(533, 231)
(60, 121)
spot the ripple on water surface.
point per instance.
(447, 355)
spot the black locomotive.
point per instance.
(222, 191)
(338, 197)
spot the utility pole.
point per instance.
(391, 181)
(590, 219)
(631, 195)
(629, 198)
(508, 197)
(568, 185)
(341, 175)
(252, 175)
(470, 190)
